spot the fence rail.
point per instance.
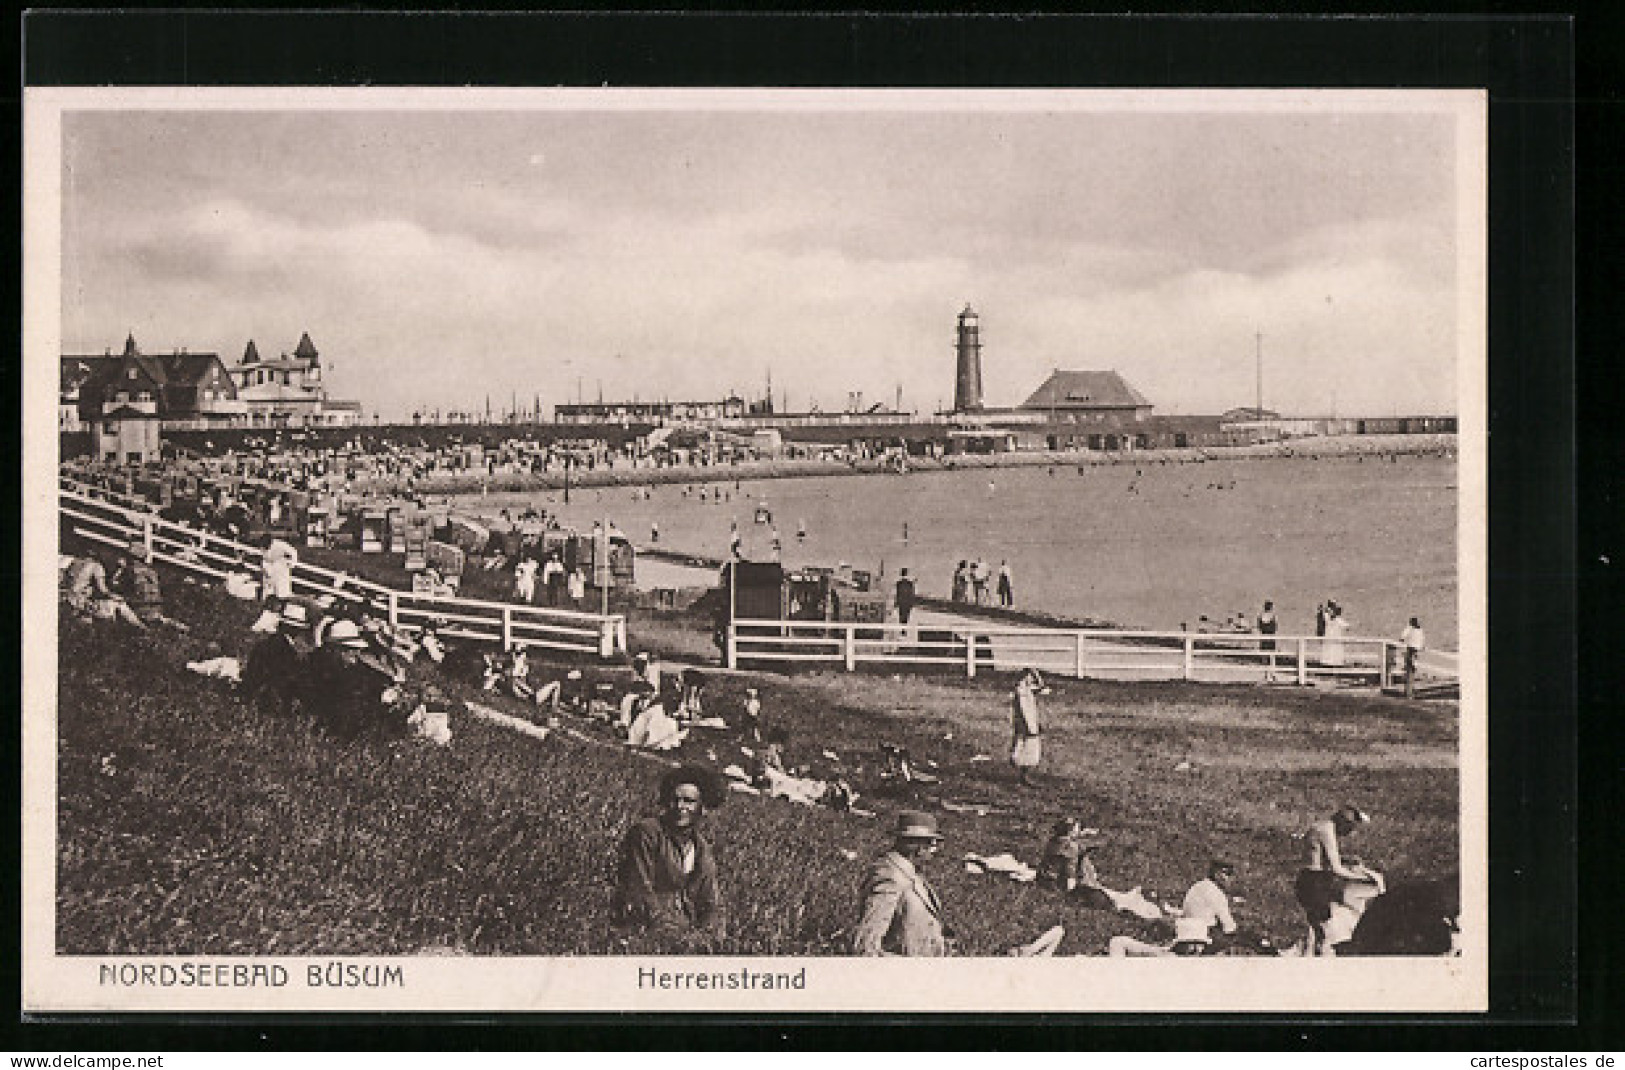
(1082, 652)
(106, 521)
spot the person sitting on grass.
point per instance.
(1325, 876)
(901, 912)
(1207, 904)
(666, 870)
(770, 759)
(751, 728)
(275, 667)
(85, 585)
(1063, 862)
(136, 581)
(518, 673)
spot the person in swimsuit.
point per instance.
(1325, 873)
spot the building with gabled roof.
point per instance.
(181, 389)
(1087, 397)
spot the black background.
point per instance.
(1553, 980)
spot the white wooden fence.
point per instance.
(199, 551)
(1079, 652)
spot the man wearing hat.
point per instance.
(276, 666)
(666, 875)
(901, 914)
(346, 688)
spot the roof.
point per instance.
(252, 353)
(183, 369)
(305, 350)
(78, 370)
(1086, 390)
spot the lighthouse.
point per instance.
(968, 347)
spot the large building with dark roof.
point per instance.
(1087, 397)
(181, 389)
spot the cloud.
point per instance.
(436, 260)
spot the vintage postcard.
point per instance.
(753, 550)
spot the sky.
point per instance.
(440, 257)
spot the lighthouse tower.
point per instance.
(968, 346)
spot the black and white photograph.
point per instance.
(572, 549)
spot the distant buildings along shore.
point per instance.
(126, 401)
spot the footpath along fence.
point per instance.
(1085, 652)
(115, 524)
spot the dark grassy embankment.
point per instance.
(189, 823)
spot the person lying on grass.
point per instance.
(666, 871)
(352, 692)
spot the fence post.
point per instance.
(851, 648)
(146, 534)
(1190, 651)
(507, 627)
(970, 655)
(1077, 652)
(733, 645)
(620, 634)
(1384, 654)
(1303, 662)
(606, 639)
(394, 608)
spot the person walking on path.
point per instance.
(901, 912)
(1416, 641)
(1007, 592)
(666, 870)
(905, 596)
(1026, 726)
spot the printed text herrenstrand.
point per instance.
(742, 978)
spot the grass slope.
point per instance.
(189, 823)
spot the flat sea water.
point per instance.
(1152, 546)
